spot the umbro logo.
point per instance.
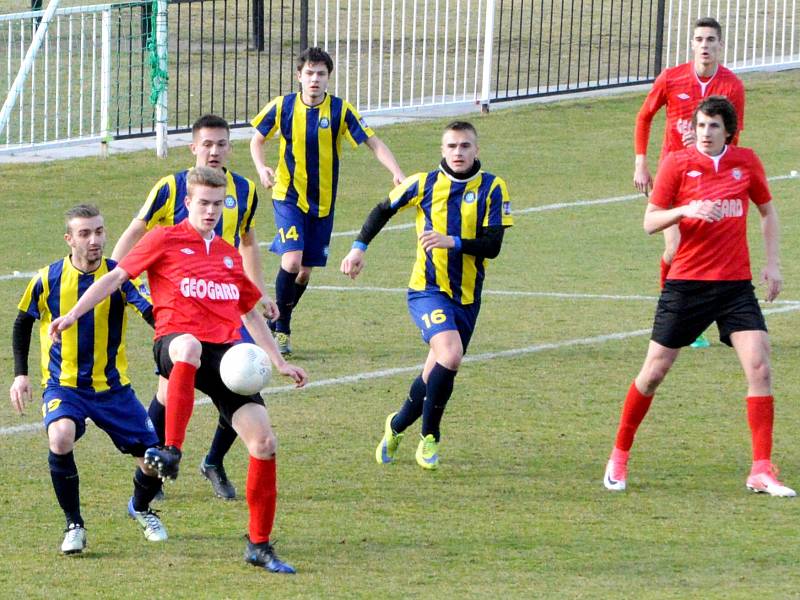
(694, 174)
(684, 96)
(187, 250)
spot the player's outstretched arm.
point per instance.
(353, 263)
(386, 158)
(265, 174)
(258, 329)
(98, 291)
(134, 232)
(771, 274)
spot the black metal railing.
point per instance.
(547, 47)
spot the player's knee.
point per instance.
(61, 436)
(263, 447)
(185, 348)
(303, 275)
(651, 376)
(292, 262)
(760, 375)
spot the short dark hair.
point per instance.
(709, 22)
(462, 126)
(81, 211)
(210, 122)
(719, 105)
(315, 54)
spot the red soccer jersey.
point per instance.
(712, 251)
(681, 90)
(195, 289)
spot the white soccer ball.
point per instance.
(245, 369)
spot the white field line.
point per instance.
(379, 374)
(523, 211)
(535, 209)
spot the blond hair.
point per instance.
(213, 178)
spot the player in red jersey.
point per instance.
(705, 190)
(201, 296)
(681, 88)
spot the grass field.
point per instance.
(517, 508)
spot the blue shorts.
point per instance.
(301, 231)
(434, 312)
(118, 412)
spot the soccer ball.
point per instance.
(245, 369)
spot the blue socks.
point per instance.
(438, 392)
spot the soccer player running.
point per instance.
(462, 213)
(165, 206)
(311, 125)
(85, 375)
(201, 296)
(705, 190)
(681, 88)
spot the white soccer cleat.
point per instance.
(766, 482)
(616, 476)
(153, 528)
(74, 539)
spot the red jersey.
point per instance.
(197, 287)
(712, 251)
(682, 90)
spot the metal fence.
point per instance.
(231, 56)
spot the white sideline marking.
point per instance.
(486, 356)
(530, 209)
(485, 292)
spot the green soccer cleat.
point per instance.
(428, 453)
(701, 341)
(284, 344)
(386, 450)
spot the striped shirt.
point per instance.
(310, 147)
(92, 354)
(458, 208)
(165, 205)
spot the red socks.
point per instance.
(664, 272)
(760, 414)
(633, 411)
(262, 495)
(180, 402)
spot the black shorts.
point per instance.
(687, 308)
(207, 379)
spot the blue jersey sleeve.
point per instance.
(32, 301)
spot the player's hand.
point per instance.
(642, 180)
(353, 263)
(771, 275)
(689, 138)
(398, 178)
(433, 239)
(59, 325)
(269, 309)
(709, 211)
(267, 177)
(20, 393)
(297, 374)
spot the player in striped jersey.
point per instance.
(706, 190)
(165, 205)
(85, 376)
(462, 213)
(311, 126)
(680, 89)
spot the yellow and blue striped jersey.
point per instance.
(91, 354)
(165, 205)
(310, 146)
(458, 208)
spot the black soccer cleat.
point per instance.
(164, 459)
(263, 555)
(222, 486)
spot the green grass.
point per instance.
(517, 508)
